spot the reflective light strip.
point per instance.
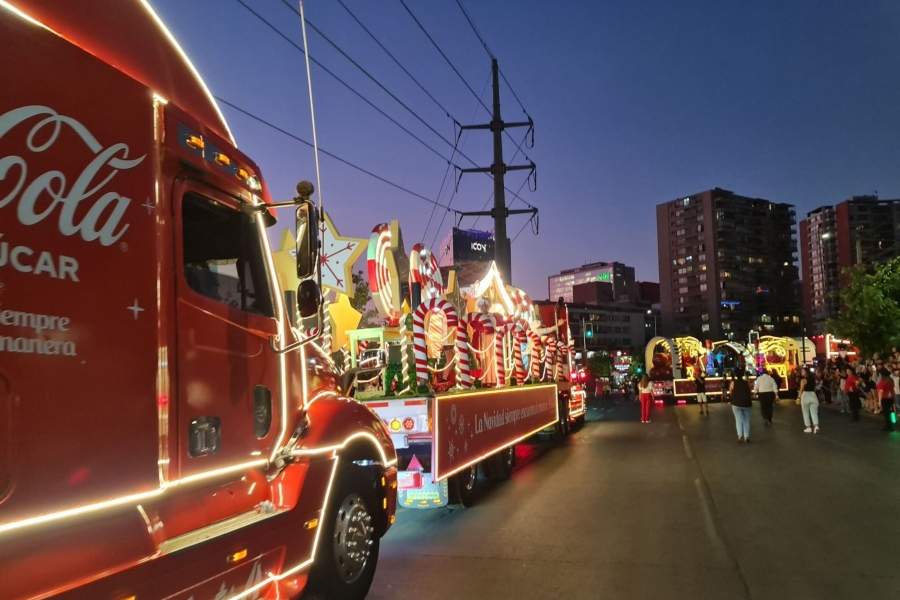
(273, 577)
(456, 470)
(138, 497)
(190, 65)
(281, 318)
(23, 15)
(334, 448)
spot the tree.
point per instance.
(870, 308)
(361, 300)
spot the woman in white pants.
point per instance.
(809, 402)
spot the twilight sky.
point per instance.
(635, 103)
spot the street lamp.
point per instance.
(650, 312)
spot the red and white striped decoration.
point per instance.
(463, 362)
(518, 330)
(550, 357)
(487, 324)
(419, 342)
(536, 351)
(424, 270)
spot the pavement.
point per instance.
(672, 509)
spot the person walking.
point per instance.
(741, 404)
(885, 390)
(851, 387)
(646, 394)
(700, 388)
(766, 389)
(842, 391)
(809, 403)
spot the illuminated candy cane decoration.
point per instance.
(550, 357)
(463, 363)
(519, 337)
(536, 348)
(405, 382)
(419, 343)
(384, 279)
(563, 354)
(487, 324)
(424, 270)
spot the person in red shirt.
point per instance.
(885, 390)
(851, 388)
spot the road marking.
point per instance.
(687, 447)
(710, 525)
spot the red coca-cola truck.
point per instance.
(164, 430)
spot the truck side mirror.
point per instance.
(309, 298)
(307, 242)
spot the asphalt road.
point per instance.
(672, 509)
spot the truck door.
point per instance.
(228, 379)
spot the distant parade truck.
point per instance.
(164, 430)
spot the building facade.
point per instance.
(727, 266)
(610, 327)
(619, 275)
(860, 230)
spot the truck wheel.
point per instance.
(562, 426)
(348, 549)
(465, 486)
(503, 463)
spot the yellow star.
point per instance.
(343, 318)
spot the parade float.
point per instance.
(459, 375)
(676, 362)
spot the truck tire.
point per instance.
(348, 549)
(464, 486)
(502, 463)
(562, 426)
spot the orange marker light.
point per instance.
(222, 159)
(238, 556)
(195, 141)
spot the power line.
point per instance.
(347, 85)
(340, 159)
(446, 59)
(396, 61)
(489, 53)
(475, 29)
(365, 72)
(456, 70)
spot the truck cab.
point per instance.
(165, 429)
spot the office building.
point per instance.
(620, 276)
(610, 327)
(859, 230)
(727, 266)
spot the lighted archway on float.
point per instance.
(650, 354)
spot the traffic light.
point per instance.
(589, 333)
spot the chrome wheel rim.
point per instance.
(354, 536)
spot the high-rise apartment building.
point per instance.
(726, 266)
(620, 276)
(859, 230)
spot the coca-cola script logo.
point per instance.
(103, 220)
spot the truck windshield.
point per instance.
(223, 257)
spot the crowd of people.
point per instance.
(871, 386)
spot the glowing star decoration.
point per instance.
(386, 259)
(343, 318)
(337, 257)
